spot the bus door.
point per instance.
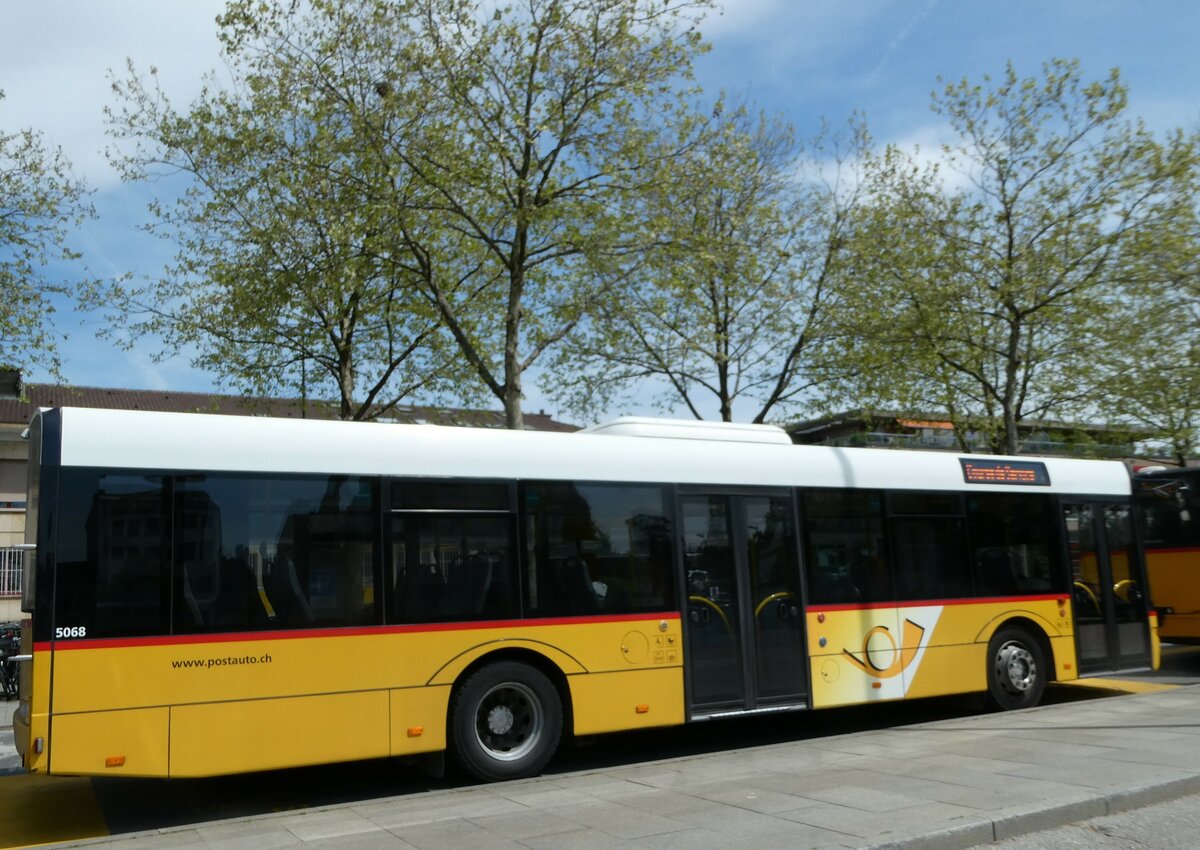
(1168, 505)
(1108, 587)
(745, 642)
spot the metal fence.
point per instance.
(11, 564)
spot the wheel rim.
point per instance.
(509, 721)
(1016, 670)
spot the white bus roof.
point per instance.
(204, 442)
(691, 429)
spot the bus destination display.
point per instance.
(1005, 472)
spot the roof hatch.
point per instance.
(691, 429)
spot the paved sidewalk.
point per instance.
(948, 784)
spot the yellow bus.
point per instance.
(212, 595)
(1168, 502)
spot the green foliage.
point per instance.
(294, 270)
(39, 201)
(986, 276)
(546, 116)
(388, 181)
(1152, 376)
(731, 306)
(427, 198)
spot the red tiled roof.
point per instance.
(53, 395)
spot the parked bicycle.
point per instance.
(10, 670)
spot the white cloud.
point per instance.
(799, 53)
(790, 21)
(55, 58)
(924, 145)
(736, 16)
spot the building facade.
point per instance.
(885, 430)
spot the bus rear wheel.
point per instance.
(506, 721)
(1016, 670)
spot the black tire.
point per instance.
(505, 721)
(1017, 670)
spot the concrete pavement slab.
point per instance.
(332, 823)
(876, 825)
(526, 825)
(264, 836)
(582, 839)
(376, 840)
(800, 837)
(421, 809)
(621, 821)
(755, 799)
(666, 803)
(454, 835)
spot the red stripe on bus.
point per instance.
(978, 600)
(351, 631)
(1153, 550)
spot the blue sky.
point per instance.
(805, 59)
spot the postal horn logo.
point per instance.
(880, 656)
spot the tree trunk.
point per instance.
(513, 420)
(346, 384)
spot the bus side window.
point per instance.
(1014, 544)
(273, 552)
(845, 553)
(597, 548)
(449, 566)
(113, 569)
(929, 546)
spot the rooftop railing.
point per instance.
(947, 442)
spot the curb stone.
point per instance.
(1037, 820)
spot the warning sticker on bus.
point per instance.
(1005, 472)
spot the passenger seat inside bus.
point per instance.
(191, 606)
(287, 597)
(573, 586)
(996, 574)
(467, 587)
(422, 593)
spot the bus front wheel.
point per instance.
(506, 721)
(1016, 670)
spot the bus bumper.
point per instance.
(21, 730)
(1155, 642)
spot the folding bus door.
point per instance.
(1108, 586)
(744, 623)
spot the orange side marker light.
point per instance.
(416, 731)
(114, 761)
(642, 709)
